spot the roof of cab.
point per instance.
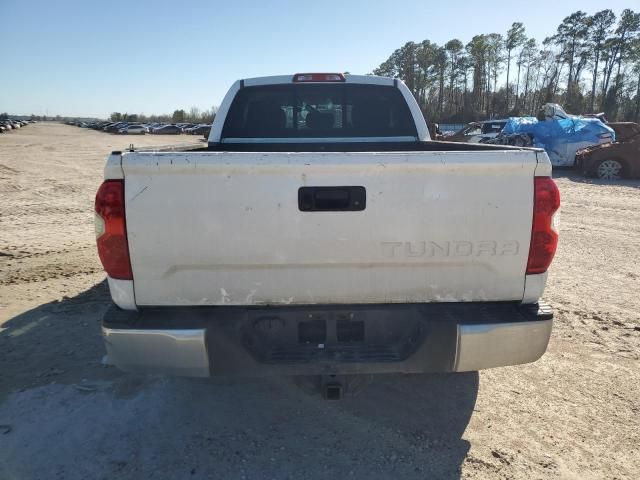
(281, 79)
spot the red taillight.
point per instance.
(318, 77)
(544, 238)
(111, 230)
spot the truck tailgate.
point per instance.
(222, 228)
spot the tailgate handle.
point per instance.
(332, 199)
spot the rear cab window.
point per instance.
(318, 111)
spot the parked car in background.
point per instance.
(168, 130)
(115, 127)
(11, 124)
(478, 132)
(198, 129)
(133, 130)
(561, 138)
(126, 127)
(612, 161)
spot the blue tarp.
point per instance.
(561, 137)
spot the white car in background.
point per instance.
(478, 132)
(134, 130)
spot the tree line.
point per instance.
(5, 116)
(193, 115)
(591, 64)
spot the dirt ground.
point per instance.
(64, 415)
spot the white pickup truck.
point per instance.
(321, 231)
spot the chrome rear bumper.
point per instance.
(173, 352)
(210, 349)
(500, 344)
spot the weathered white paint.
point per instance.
(122, 293)
(113, 168)
(214, 228)
(533, 287)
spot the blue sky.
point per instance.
(89, 58)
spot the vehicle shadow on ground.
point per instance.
(56, 342)
(130, 426)
(430, 412)
(398, 426)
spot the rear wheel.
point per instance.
(610, 169)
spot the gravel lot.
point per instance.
(573, 414)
